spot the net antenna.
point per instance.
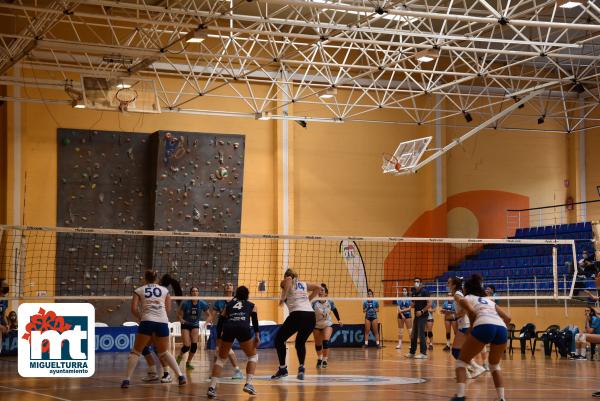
(406, 157)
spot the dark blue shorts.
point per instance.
(490, 334)
(464, 331)
(240, 332)
(190, 327)
(370, 318)
(154, 328)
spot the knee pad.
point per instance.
(456, 353)
(430, 334)
(495, 368)
(194, 348)
(325, 344)
(318, 348)
(220, 362)
(146, 351)
(253, 358)
(461, 364)
(185, 349)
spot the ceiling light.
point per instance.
(467, 115)
(198, 36)
(329, 93)
(77, 104)
(568, 4)
(427, 55)
(123, 85)
(263, 116)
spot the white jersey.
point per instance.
(323, 313)
(296, 297)
(463, 321)
(152, 299)
(485, 310)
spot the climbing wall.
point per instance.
(163, 181)
(199, 188)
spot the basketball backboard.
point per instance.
(406, 156)
(103, 93)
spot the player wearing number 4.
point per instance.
(235, 324)
(155, 303)
(488, 326)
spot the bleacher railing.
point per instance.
(552, 215)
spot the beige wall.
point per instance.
(335, 178)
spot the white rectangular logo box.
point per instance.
(57, 340)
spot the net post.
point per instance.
(535, 293)
(555, 271)
(574, 251)
(508, 293)
(565, 293)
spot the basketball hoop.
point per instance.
(125, 96)
(391, 164)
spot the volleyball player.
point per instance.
(488, 327)
(404, 316)
(370, 309)
(449, 312)
(217, 308)
(234, 324)
(296, 295)
(429, 325)
(463, 324)
(189, 314)
(155, 303)
(322, 332)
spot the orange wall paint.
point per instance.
(406, 261)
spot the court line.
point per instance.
(36, 393)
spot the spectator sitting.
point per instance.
(586, 265)
(12, 321)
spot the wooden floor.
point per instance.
(527, 378)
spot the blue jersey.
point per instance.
(370, 308)
(449, 306)
(192, 314)
(3, 309)
(404, 304)
(595, 324)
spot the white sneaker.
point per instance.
(409, 355)
(477, 372)
(150, 377)
(420, 356)
(166, 378)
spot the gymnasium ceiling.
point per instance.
(367, 55)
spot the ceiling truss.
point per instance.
(486, 55)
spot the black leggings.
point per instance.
(300, 322)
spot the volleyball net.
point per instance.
(96, 264)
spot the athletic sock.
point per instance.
(325, 359)
(213, 382)
(500, 391)
(282, 366)
(460, 392)
(152, 369)
(132, 362)
(249, 378)
(172, 363)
